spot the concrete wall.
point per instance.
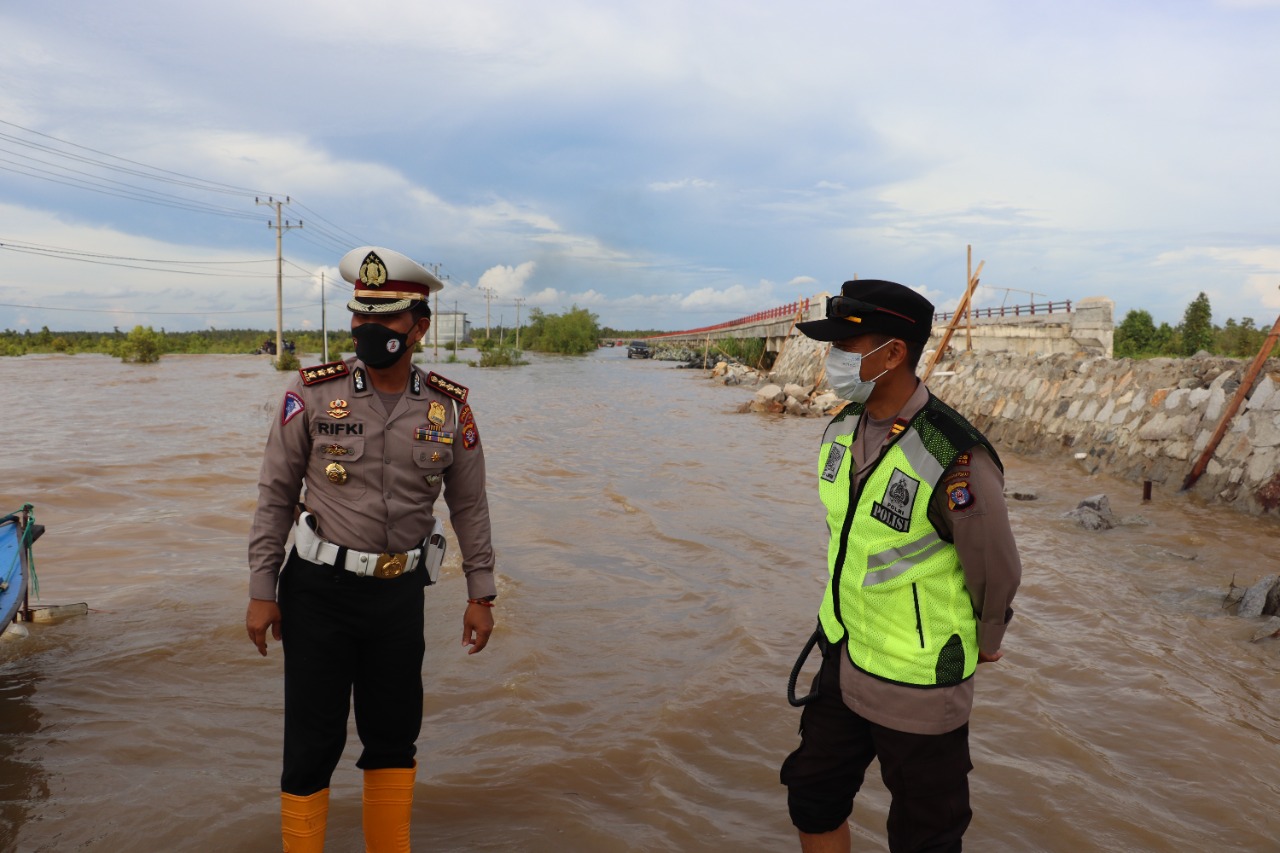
(1088, 328)
(1140, 420)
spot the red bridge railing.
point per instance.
(791, 309)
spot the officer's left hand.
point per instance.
(477, 625)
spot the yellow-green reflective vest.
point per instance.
(896, 588)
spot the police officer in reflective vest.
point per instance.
(923, 569)
(374, 440)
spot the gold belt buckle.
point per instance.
(389, 566)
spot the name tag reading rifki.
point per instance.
(327, 428)
(834, 457)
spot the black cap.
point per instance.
(872, 306)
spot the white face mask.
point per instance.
(844, 373)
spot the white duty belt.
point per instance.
(316, 550)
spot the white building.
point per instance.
(448, 325)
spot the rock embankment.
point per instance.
(1135, 419)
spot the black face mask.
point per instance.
(378, 346)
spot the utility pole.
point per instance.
(281, 227)
(519, 302)
(455, 327)
(488, 295)
(324, 329)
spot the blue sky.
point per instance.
(664, 164)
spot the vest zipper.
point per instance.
(915, 599)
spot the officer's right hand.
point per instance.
(262, 615)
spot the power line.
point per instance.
(212, 186)
(149, 313)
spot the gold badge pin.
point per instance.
(435, 413)
(338, 409)
(336, 473)
(435, 457)
(336, 450)
(373, 272)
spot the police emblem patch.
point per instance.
(292, 406)
(959, 495)
(895, 507)
(470, 434)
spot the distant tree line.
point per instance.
(162, 342)
(1138, 336)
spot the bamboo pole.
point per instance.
(1254, 369)
(951, 327)
(968, 314)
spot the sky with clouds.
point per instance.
(664, 164)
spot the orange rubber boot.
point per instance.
(302, 821)
(388, 804)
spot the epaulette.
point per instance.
(323, 372)
(448, 388)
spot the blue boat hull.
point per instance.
(13, 571)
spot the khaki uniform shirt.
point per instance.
(992, 572)
(372, 477)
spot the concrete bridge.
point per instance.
(1041, 329)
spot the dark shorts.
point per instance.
(927, 775)
(348, 638)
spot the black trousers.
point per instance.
(346, 636)
(927, 775)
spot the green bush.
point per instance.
(499, 357)
(141, 346)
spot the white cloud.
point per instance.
(507, 281)
(684, 184)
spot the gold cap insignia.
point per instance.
(373, 272)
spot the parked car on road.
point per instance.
(639, 349)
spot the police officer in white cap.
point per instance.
(357, 454)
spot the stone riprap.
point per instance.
(1135, 419)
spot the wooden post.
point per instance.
(951, 326)
(968, 315)
(1254, 369)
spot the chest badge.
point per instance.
(336, 450)
(335, 473)
(338, 409)
(432, 479)
(435, 413)
(895, 508)
(435, 457)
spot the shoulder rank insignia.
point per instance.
(449, 389)
(323, 372)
